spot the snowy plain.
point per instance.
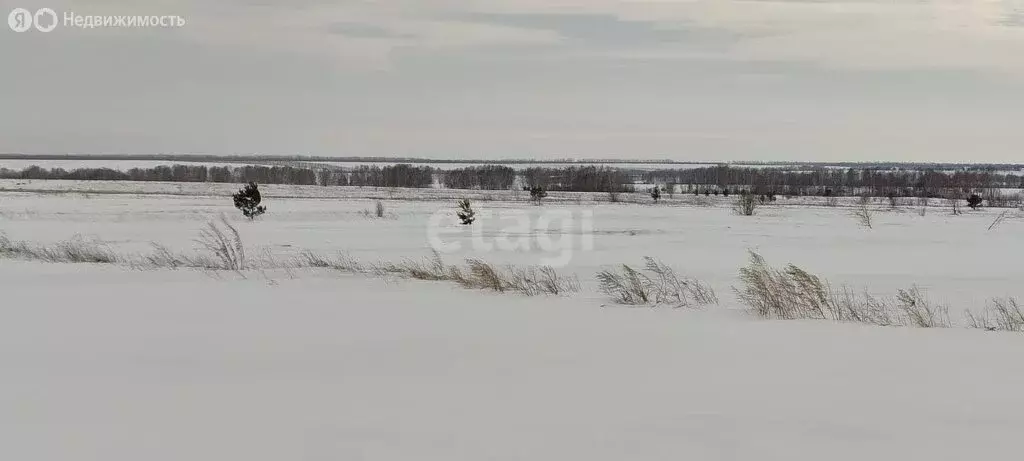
(955, 259)
(107, 363)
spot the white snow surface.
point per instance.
(955, 259)
(105, 364)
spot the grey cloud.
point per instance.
(606, 30)
(611, 87)
(360, 30)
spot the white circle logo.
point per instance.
(20, 19)
(45, 19)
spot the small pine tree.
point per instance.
(466, 213)
(248, 200)
(656, 194)
(725, 192)
(537, 193)
(974, 201)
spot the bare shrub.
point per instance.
(224, 243)
(745, 205)
(1002, 314)
(378, 211)
(659, 285)
(954, 204)
(922, 202)
(863, 214)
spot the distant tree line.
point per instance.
(578, 179)
(837, 181)
(388, 176)
(260, 158)
(400, 175)
(487, 177)
(767, 181)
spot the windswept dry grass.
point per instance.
(221, 244)
(1002, 314)
(75, 250)
(793, 293)
(657, 284)
(224, 243)
(476, 274)
(786, 293)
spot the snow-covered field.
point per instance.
(956, 259)
(107, 363)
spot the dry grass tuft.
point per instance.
(75, 250)
(477, 274)
(793, 293)
(1003, 314)
(657, 285)
(224, 243)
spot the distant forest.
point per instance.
(874, 181)
(284, 159)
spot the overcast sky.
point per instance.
(914, 80)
